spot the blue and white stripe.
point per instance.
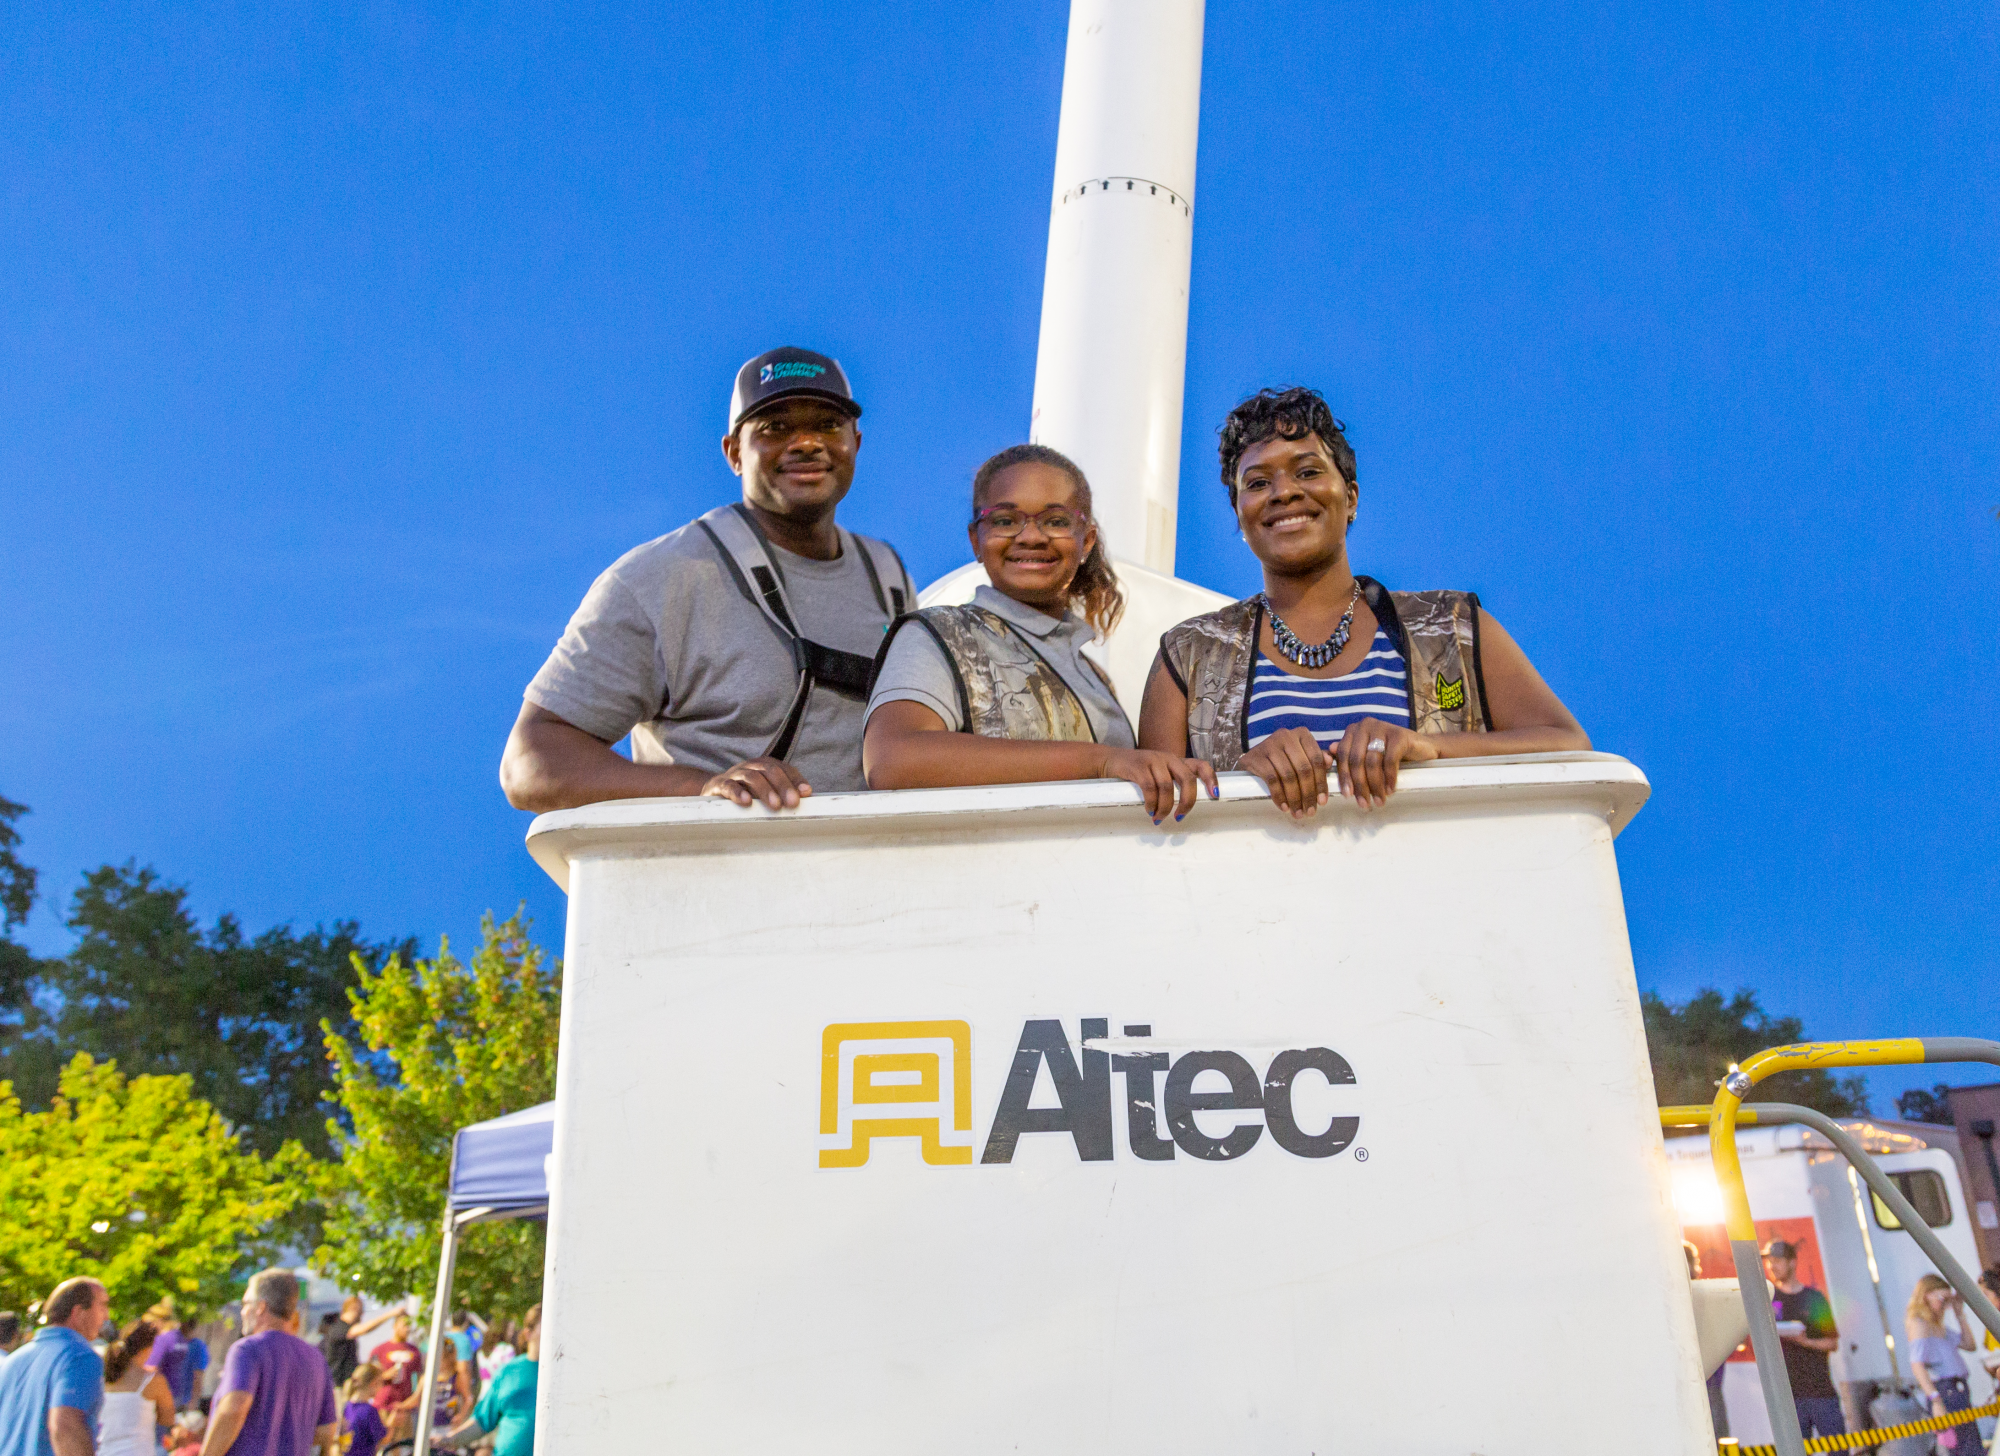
(1378, 688)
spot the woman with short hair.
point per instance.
(999, 691)
(1324, 670)
(1935, 1359)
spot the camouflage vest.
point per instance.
(1437, 632)
(1006, 689)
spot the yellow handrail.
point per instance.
(1722, 1120)
(1809, 1055)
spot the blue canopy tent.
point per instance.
(499, 1169)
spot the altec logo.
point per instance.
(913, 1079)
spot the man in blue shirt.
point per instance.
(52, 1388)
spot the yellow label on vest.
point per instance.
(1451, 694)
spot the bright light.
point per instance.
(101, 1228)
(1697, 1196)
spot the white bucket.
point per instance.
(1466, 1248)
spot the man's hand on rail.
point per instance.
(772, 781)
(553, 764)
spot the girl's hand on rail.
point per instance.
(1162, 778)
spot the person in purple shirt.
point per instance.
(275, 1398)
(176, 1354)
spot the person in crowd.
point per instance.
(736, 650)
(178, 1354)
(52, 1389)
(1989, 1281)
(507, 1410)
(184, 1439)
(138, 1402)
(1806, 1353)
(467, 1332)
(1000, 691)
(361, 1425)
(10, 1333)
(494, 1356)
(402, 1366)
(274, 1398)
(340, 1337)
(1325, 672)
(451, 1387)
(1935, 1360)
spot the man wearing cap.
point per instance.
(736, 650)
(1806, 1353)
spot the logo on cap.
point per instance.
(789, 369)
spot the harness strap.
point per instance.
(893, 603)
(741, 544)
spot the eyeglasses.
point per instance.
(1004, 521)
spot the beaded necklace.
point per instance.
(1317, 654)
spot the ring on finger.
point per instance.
(1377, 745)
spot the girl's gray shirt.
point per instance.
(917, 670)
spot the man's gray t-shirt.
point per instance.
(918, 671)
(667, 648)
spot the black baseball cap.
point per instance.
(1781, 1249)
(782, 373)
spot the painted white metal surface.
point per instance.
(1112, 358)
(727, 1274)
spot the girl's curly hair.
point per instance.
(1290, 414)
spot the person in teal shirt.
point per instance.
(507, 1407)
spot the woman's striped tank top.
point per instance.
(1378, 688)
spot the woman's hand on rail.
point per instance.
(1293, 767)
(1368, 755)
(1162, 778)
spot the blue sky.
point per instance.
(340, 347)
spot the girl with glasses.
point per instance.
(999, 691)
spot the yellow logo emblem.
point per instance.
(925, 1066)
(1450, 694)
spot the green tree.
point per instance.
(140, 1184)
(1917, 1105)
(149, 988)
(17, 881)
(19, 968)
(465, 1043)
(1693, 1045)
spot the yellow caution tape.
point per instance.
(1853, 1440)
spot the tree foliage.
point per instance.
(465, 1043)
(1917, 1105)
(1693, 1045)
(140, 1184)
(17, 898)
(149, 988)
(17, 881)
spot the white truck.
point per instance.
(1851, 1245)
